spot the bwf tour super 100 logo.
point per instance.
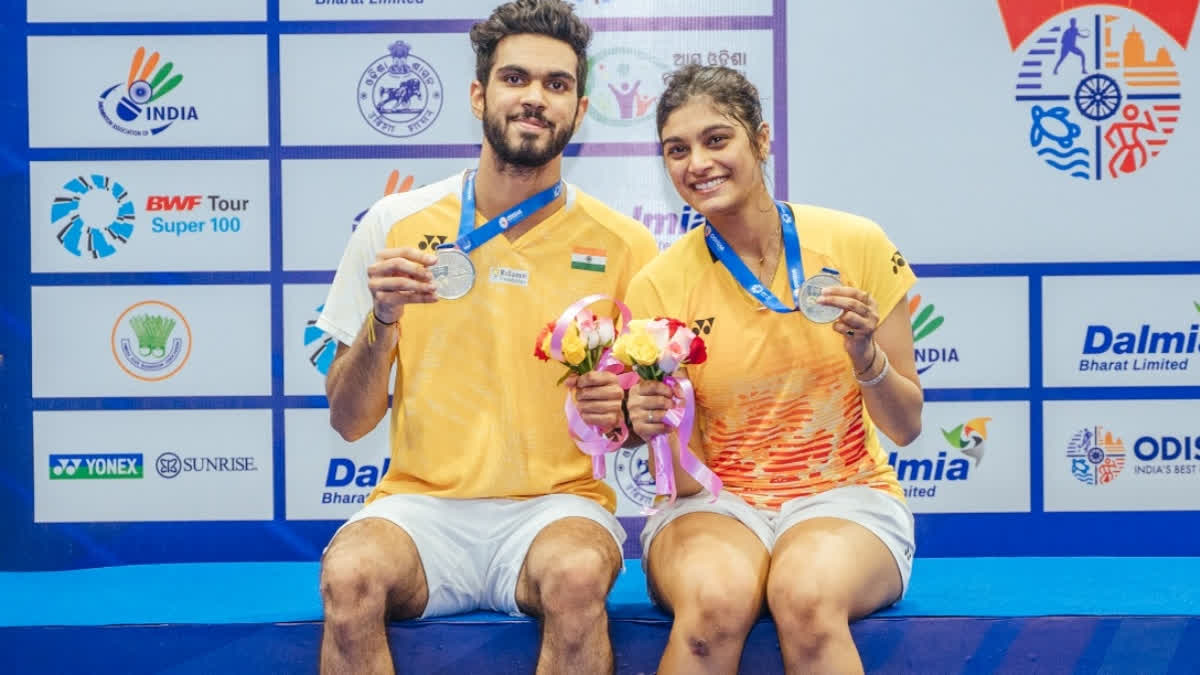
(1098, 84)
(132, 106)
(93, 215)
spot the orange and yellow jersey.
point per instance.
(474, 413)
(779, 412)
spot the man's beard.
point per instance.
(524, 155)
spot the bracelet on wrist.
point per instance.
(371, 321)
(874, 381)
(874, 355)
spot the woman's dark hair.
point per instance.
(728, 90)
(552, 18)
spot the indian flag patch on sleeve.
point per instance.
(591, 259)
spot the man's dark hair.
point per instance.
(552, 18)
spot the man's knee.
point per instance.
(352, 587)
(576, 581)
(370, 571)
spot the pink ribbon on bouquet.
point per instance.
(589, 438)
(680, 417)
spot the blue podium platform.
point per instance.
(962, 615)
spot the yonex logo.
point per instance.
(95, 466)
(432, 241)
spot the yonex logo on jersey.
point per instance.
(703, 326)
(432, 241)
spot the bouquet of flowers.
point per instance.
(585, 341)
(655, 349)
(582, 341)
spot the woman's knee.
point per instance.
(718, 609)
(805, 613)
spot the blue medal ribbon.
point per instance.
(742, 274)
(471, 237)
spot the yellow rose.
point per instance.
(573, 347)
(620, 351)
(643, 349)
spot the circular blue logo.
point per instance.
(319, 345)
(93, 215)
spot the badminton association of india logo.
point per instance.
(1098, 84)
(135, 106)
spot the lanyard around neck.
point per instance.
(742, 274)
(471, 237)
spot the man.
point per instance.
(487, 503)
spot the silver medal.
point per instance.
(453, 273)
(810, 291)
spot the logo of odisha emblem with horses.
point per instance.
(400, 94)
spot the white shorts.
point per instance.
(473, 549)
(884, 515)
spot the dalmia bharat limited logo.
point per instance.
(151, 341)
(969, 438)
(93, 215)
(126, 106)
(1096, 456)
(1098, 83)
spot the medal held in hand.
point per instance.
(806, 293)
(810, 293)
(453, 273)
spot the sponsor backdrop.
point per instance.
(181, 182)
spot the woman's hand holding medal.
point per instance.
(857, 321)
(398, 277)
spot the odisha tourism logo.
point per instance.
(1097, 457)
(633, 475)
(623, 86)
(125, 106)
(1098, 86)
(400, 94)
(151, 341)
(93, 214)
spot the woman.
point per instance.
(811, 518)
